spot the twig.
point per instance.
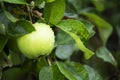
(29, 13)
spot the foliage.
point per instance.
(87, 39)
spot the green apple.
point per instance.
(37, 43)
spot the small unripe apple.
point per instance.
(37, 43)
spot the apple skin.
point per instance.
(37, 43)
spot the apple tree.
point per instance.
(59, 40)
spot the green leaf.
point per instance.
(105, 29)
(89, 26)
(13, 74)
(10, 16)
(105, 69)
(19, 28)
(46, 73)
(16, 1)
(49, 0)
(65, 45)
(39, 3)
(4, 21)
(65, 72)
(73, 71)
(41, 63)
(4, 61)
(2, 29)
(93, 75)
(3, 41)
(88, 53)
(15, 58)
(99, 4)
(73, 4)
(106, 55)
(116, 55)
(74, 26)
(28, 66)
(54, 11)
(70, 11)
(57, 72)
(62, 38)
(12, 45)
(77, 31)
(64, 51)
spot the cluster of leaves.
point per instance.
(80, 52)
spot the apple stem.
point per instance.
(49, 61)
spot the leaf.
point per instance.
(89, 26)
(88, 53)
(63, 38)
(49, 0)
(12, 45)
(39, 2)
(4, 20)
(70, 11)
(16, 1)
(28, 66)
(73, 71)
(64, 51)
(46, 73)
(10, 16)
(99, 4)
(4, 61)
(77, 31)
(3, 41)
(2, 29)
(105, 29)
(41, 63)
(15, 58)
(57, 72)
(54, 11)
(65, 45)
(105, 69)
(106, 55)
(93, 75)
(13, 74)
(65, 72)
(117, 57)
(74, 5)
(74, 26)
(20, 27)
